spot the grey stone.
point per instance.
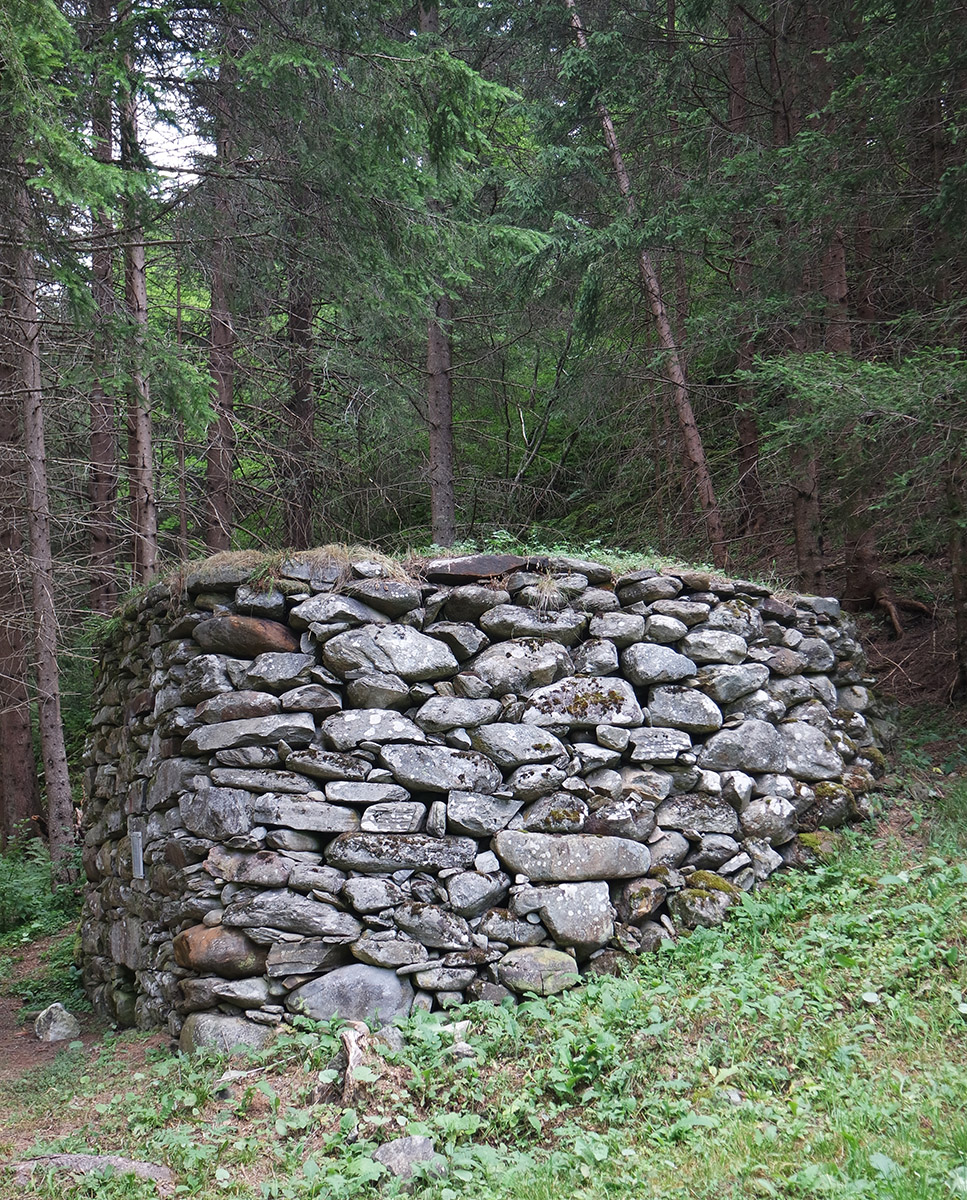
(689, 612)
(355, 993)
(765, 860)
(697, 814)
(313, 815)
(678, 707)
(570, 857)
(279, 672)
(256, 602)
(714, 646)
(513, 621)
(326, 764)
(401, 1155)
(464, 640)
(243, 993)
(388, 948)
(534, 780)
(737, 788)
(234, 706)
(769, 819)
(645, 591)
(376, 689)
(328, 610)
(289, 839)
(248, 756)
(818, 654)
(753, 747)
(620, 628)
(433, 926)
(477, 815)
(307, 956)
(342, 792)
(539, 970)
(578, 915)
(296, 729)
(56, 1024)
(699, 907)
(580, 702)
(645, 663)
(645, 784)
(605, 784)
(631, 817)
(500, 925)
(518, 666)
(560, 812)
(809, 753)
(346, 730)
(216, 812)
(398, 817)
(639, 899)
(312, 698)
(207, 1030)
(854, 698)
(736, 616)
(439, 979)
(220, 951)
(825, 606)
(391, 649)
(385, 853)
(283, 909)
(471, 894)
(443, 713)
(390, 596)
(711, 851)
(661, 746)
(368, 895)
(172, 776)
(265, 868)
(595, 657)
(668, 849)
(469, 602)
(285, 782)
(441, 768)
(727, 683)
(313, 877)
(205, 676)
(512, 745)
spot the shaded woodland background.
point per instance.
(681, 277)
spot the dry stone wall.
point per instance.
(340, 789)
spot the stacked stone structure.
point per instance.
(335, 787)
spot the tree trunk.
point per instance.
(301, 473)
(751, 500)
(102, 479)
(439, 390)
(439, 418)
(60, 808)
(19, 797)
(144, 517)
(219, 516)
(674, 369)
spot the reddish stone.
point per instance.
(245, 637)
(219, 951)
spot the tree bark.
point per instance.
(439, 390)
(19, 794)
(219, 514)
(674, 369)
(143, 509)
(751, 499)
(102, 478)
(300, 483)
(60, 808)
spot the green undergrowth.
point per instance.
(815, 1045)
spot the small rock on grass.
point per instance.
(55, 1024)
(401, 1155)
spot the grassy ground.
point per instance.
(814, 1046)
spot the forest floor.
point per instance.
(815, 1045)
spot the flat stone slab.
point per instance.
(661, 746)
(519, 666)
(443, 713)
(304, 813)
(513, 745)
(441, 769)
(391, 649)
(204, 1030)
(470, 567)
(646, 663)
(579, 915)
(244, 637)
(570, 857)
(513, 621)
(386, 852)
(295, 729)
(753, 746)
(345, 730)
(283, 909)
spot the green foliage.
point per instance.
(28, 907)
